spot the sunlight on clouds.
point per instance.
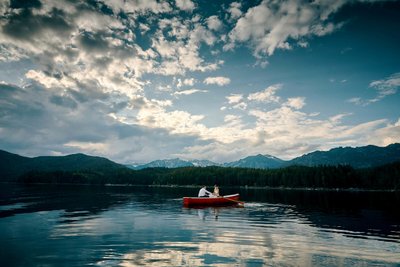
(214, 23)
(268, 95)
(386, 135)
(183, 53)
(189, 92)
(97, 148)
(270, 26)
(234, 98)
(281, 128)
(138, 6)
(295, 102)
(154, 115)
(186, 5)
(184, 82)
(220, 81)
(106, 77)
(339, 117)
(49, 82)
(234, 10)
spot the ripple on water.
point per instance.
(155, 230)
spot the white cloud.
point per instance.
(303, 44)
(95, 148)
(234, 98)
(143, 28)
(295, 102)
(268, 95)
(189, 81)
(355, 100)
(190, 92)
(88, 72)
(270, 26)
(386, 135)
(338, 118)
(384, 88)
(261, 62)
(241, 105)
(214, 23)
(178, 46)
(220, 81)
(176, 122)
(138, 6)
(387, 86)
(186, 5)
(234, 10)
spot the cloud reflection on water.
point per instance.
(293, 243)
(153, 229)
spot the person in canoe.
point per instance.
(204, 193)
(216, 191)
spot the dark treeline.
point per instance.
(383, 177)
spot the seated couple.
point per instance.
(204, 193)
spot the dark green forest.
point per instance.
(386, 177)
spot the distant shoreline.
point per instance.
(284, 188)
(317, 189)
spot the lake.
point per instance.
(135, 226)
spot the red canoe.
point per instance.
(211, 201)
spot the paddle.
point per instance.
(239, 202)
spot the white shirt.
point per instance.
(203, 192)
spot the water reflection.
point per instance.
(259, 250)
(76, 226)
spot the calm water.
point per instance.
(96, 226)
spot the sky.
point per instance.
(140, 80)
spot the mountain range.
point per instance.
(13, 165)
(173, 163)
(357, 157)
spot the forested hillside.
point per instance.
(384, 177)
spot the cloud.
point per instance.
(214, 23)
(386, 135)
(138, 6)
(219, 80)
(355, 100)
(268, 95)
(178, 46)
(261, 62)
(186, 5)
(186, 82)
(272, 25)
(189, 82)
(234, 98)
(94, 127)
(189, 92)
(88, 65)
(98, 74)
(385, 87)
(234, 10)
(295, 102)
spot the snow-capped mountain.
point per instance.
(357, 157)
(173, 163)
(257, 162)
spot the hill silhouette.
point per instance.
(12, 165)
